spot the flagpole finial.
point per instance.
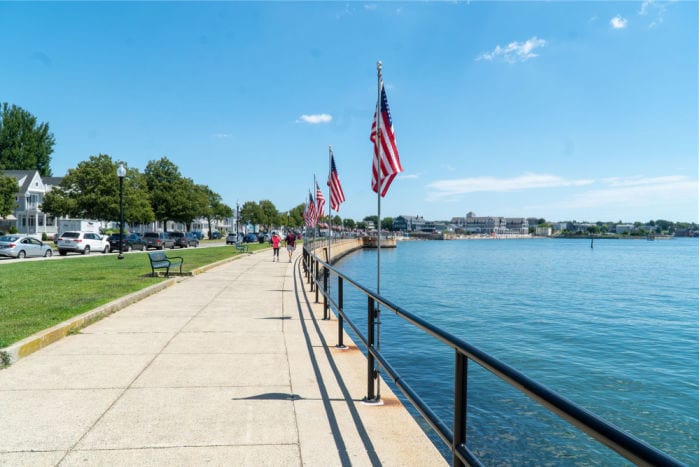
(379, 65)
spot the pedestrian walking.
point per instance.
(275, 247)
(290, 241)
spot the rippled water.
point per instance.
(613, 328)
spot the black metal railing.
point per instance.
(318, 271)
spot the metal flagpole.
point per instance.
(379, 209)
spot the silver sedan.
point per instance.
(23, 246)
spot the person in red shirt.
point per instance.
(275, 247)
(290, 240)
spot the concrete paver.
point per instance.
(229, 367)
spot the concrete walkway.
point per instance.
(230, 367)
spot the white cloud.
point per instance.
(408, 176)
(618, 22)
(655, 10)
(221, 135)
(315, 118)
(442, 189)
(641, 180)
(515, 51)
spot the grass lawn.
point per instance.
(35, 295)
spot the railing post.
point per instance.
(315, 281)
(340, 344)
(311, 273)
(326, 313)
(459, 427)
(370, 345)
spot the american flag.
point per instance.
(337, 195)
(320, 202)
(389, 159)
(310, 212)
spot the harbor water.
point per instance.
(614, 328)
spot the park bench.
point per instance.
(242, 247)
(160, 261)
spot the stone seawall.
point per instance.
(338, 249)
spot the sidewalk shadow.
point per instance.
(335, 429)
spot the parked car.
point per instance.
(215, 235)
(22, 246)
(81, 242)
(250, 238)
(231, 239)
(192, 239)
(132, 241)
(264, 237)
(158, 240)
(198, 234)
(178, 239)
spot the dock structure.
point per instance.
(233, 366)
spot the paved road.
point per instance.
(230, 367)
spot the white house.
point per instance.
(27, 217)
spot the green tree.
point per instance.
(296, 215)
(336, 220)
(24, 144)
(169, 192)
(8, 191)
(349, 223)
(269, 214)
(388, 223)
(215, 209)
(251, 213)
(362, 225)
(91, 191)
(195, 205)
(371, 219)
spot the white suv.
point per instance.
(81, 242)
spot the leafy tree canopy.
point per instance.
(269, 213)
(91, 191)
(169, 191)
(8, 191)
(251, 213)
(24, 144)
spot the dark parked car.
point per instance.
(132, 241)
(198, 234)
(192, 239)
(250, 238)
(158, 240)
(264, 237)
(215, 235)
(231, 239)
(178, 239)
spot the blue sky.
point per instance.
(562, 110)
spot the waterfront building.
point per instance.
(474, 224)
(624, 228)
(410, 224)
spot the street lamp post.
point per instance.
(121, 173)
